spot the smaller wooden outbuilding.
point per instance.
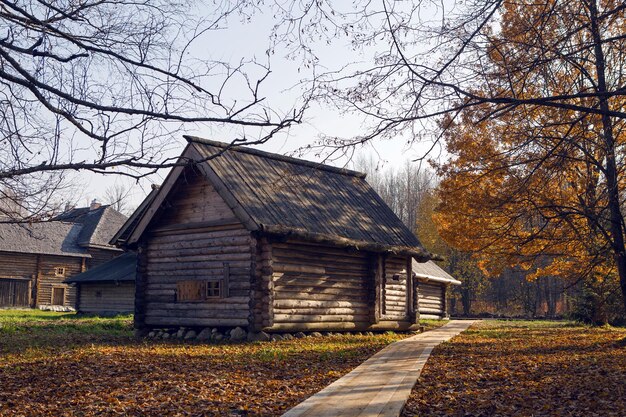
(432, 287)
(108, 288)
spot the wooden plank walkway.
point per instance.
(381, 385)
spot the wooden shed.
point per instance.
(108, 288)
(36, 259)
(432, 286)
(242, 237)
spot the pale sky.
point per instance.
(282, 90)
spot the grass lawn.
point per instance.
(524, 368)
(54, 364)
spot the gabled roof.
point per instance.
(121, 268)
(99, 224)
(286, 196)
(47, 238)
(430, 271)
(127, 228)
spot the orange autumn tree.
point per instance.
(529, 183)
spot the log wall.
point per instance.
(395, 289)
(196, 238)
(431, 299)
(100, 256)
(18, 265)
(262, 300)
(318, 287)
(39, 270)
(47, 279)
(107, 297)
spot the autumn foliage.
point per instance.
(538, 184)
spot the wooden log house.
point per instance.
(242, 237)
(108, 288)
(432, 287)
(36, 259)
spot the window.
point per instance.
(189, 291)
(214, 288)
(199, 290)
(59, 271)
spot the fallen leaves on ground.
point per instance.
(119, 376)
(525, 369)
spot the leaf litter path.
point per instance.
(381, 385)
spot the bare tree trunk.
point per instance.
(466, 296)
(612, 182)
(550, 295)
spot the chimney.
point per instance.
(94, 205)
(68, 207)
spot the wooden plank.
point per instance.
(319, 318)
(279, 303)
(194, 321)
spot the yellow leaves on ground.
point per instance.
(525, 369)
(49, 371)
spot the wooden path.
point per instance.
(381, 385)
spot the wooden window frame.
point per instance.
(57, 269)
(204, 289)
(208, 289)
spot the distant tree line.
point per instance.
(411, 191)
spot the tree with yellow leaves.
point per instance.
(536, 179)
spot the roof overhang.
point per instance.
(437, 279)
(415, 252)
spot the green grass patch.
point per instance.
(430, 324)
(30, 330)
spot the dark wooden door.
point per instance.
(14, 293)
(58, 296)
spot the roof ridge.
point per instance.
(275, 156)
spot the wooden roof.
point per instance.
(291, 197)
(99, 224)
(68, 234)
(47, 238)
(121, 268)
(430, 271)
(122, 235)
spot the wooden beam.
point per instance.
(185, 227)
(226, 282)
(410, 307)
